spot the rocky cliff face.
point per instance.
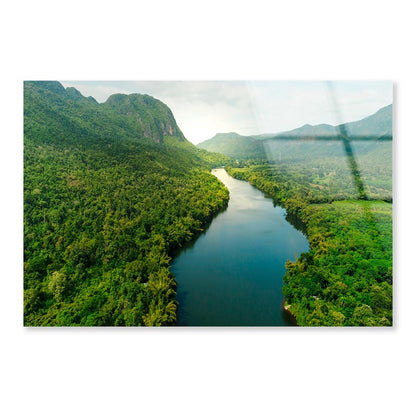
(154, 117)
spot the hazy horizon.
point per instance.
(205, 108)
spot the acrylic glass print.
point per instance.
(208, 203)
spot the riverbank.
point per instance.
(286, 308)
(346, 277)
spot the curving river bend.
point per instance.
(232, 275)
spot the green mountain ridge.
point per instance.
(377, 126)
(142, 115)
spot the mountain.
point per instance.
(378, 126)
(309, 132)
(137, 115)
(234, 145)
(153, 117)
(111, 190)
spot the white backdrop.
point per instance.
(184, 371)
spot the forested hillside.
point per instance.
(110, 191)
(235, 146)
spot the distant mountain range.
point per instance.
(378, 126)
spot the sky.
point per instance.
(204, 108)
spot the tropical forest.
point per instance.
(114, 193)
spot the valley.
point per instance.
(121, 214)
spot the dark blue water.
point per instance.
(232, 275)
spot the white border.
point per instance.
(207, 371)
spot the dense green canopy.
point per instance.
(110, 191)
(346, 277)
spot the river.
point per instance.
(232, 275)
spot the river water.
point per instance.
(232, 275)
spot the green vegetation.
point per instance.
(321, 172)
(346, 277)
(110, 191)
(235, 146)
